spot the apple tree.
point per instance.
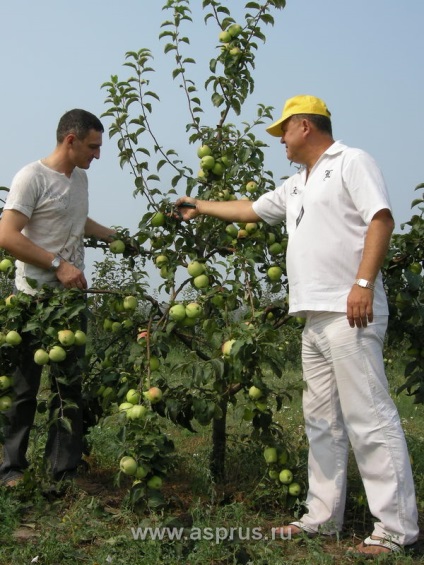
(216, 325)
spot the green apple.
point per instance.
(125, 406)
(218, 169)
(274, 273)
(116, 326)
(270, 455)
(270, 238)
(157, 220)
(196, 268)
(141, 472)
(285, 476)
(5, 382)
(5, 265)
(177, 312)
(235, 51)
(283, 456)
(251, 227)
(251, 186)
(154, 482)
(225, 159)
(193, 310)
(80, 337)
(275, 248)
(273, 473)
(207, 163)
(57, 354)
(109, 393)
(137, 412)
(204, 151)
(232, 230)
(189, 322)
(224, 37)
(5, 403)
(41, 357)
(128, 465)
(164, 272)
(234, 30)
(117, 246)
(133, 396)
(295, 489)
(154, 363)
(201, 281)
(107, 325)
(161, 260)
(415, 268)
(227, 346)
(242, 234)
(218, 300)
(255, 393)
(13, 338)
(203, 175)
(153, 395)
(130, 303)
(66, 337)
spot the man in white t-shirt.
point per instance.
(43, 225)
(339, 224)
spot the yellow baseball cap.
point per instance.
(302, 104)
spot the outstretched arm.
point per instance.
(93, 229)
(228, 211)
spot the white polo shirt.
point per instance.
(56, 207)
(327, 218)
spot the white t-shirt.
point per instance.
(327, 218)
(57, 208)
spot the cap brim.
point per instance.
(275, 128)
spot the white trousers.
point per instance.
(346, 399)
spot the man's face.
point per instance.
(87, 149)
(292, 131)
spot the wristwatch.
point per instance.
(55, 263)
(364, 283)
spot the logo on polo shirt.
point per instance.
(294, 191)
(327, 174)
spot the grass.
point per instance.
(94, 524)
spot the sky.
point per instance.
(364, 58)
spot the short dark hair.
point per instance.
(79, 122)
(322, 123)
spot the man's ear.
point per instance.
(69, 139)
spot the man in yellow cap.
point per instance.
(339, 222)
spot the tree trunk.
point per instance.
(219, 443)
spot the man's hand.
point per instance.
(359, 306)
(186, 208)
(70, 276)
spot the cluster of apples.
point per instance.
(5, 391)
(211, 164)
(185, 314)
(132, 408)
(122, 308)
(197, 271)
(228, 38)
(57, 353)
(129, 466)
(277, 458)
